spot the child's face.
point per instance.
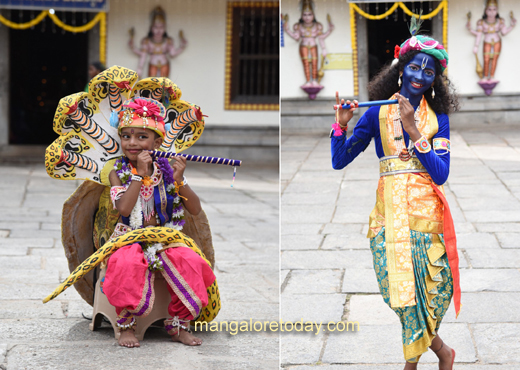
(135, 139)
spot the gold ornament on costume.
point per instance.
(491, 2)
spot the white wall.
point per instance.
(291, 68)
(199, 70)
(462, 63)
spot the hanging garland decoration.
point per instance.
(353, 38)
(353, 29)
(99, 18)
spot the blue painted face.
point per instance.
(418, 75)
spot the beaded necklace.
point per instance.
(404, 153)
(145, 201)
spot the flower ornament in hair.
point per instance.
(143, 112)
(146, 108)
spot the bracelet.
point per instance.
(422, 145)
(136, 178)
(337, 128)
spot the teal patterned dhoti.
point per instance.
(433, 289)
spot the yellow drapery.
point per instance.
(99, 18)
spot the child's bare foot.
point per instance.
(128, 339)
(446, 358)
(445, 354)
(186, 338)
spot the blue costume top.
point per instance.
(344, 150)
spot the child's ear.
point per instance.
(157, 142)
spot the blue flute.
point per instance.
(197, 158)
(367, 104)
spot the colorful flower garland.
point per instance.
(178, 221)
(123, 169)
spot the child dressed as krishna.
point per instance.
(148, 193)
(411, 231)
(111, 143)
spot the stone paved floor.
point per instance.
(245, 226)
(327, 272)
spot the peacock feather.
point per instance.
(415, 24)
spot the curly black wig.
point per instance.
(384, 85)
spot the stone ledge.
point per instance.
(254, 144)
(476, 111)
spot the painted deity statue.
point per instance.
(490, 28)
(309, 32)
(158, 46)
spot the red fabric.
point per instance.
(127, 272)
(450, 241)
(197, 274)
(125, 277)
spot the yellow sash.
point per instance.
(405, 201)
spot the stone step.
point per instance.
(315, 116)
(254, 144)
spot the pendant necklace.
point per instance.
(404, 153)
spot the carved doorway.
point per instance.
(385, 34)
(46, 64)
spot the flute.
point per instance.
(197, 158)
(366, 104)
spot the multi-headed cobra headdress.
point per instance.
(88, 141)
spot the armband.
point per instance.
(441, 146)
(422, 145)
(116, 192)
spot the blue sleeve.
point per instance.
(438, 166)
(343, 150)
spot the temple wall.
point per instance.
(200, 70)
(462, 63)
(292, 75)
(460, 47)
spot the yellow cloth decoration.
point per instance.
(99, 18)
(444, 3)
(353, 29)
(404, 200)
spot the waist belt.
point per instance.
(393, 165)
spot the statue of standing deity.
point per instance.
(158, 45)
(490, 28)
(308, 30)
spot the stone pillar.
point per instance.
(362, 47)
(4, 84)
(437, 27)
(93, 42)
